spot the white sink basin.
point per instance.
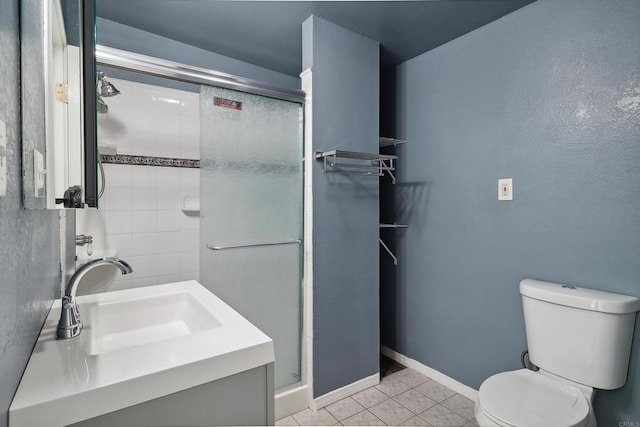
(136, 345)
(135, 322)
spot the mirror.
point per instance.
(58, 104)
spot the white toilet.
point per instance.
(581, 341)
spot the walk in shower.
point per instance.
(251, 218)
(251, 189)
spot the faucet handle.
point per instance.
(82, 239)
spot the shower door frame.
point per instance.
(294, 397)
(150, 65)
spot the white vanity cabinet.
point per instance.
(166, 355)
(243, 399)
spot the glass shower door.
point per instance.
(251, 214)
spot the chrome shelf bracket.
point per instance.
(386, 248)
(395, 260)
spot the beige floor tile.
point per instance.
(415, 401)
(410, 377)
(286, 421)
(369, 397)
(344, 408)
(392, 386)
(314, 418)
(391, 412)
(364, 418)
(460, 405)
(416, 421)
(436, 391)
(442, 417)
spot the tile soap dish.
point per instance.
(190, 204)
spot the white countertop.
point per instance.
(63, 383)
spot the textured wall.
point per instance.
(345, 225)
(549, 96)
(29, 244)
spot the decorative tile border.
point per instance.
(125, 159)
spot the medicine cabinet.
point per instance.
(58, 103)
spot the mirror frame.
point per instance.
(88, 49)
(37, 26)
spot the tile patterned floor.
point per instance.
(403, 398)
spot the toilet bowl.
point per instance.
(581, 341)
(527, 398)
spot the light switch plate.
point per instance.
(38, 173)
(4, 153)
(505, 189)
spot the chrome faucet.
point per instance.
(82, 240)
(70, 325)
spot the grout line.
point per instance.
(383, 423)
(359, 412)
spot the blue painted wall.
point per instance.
(345, 225)
(119, 36)
(549, 96)
(29, 248)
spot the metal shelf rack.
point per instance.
(366, 164)
(386, 143)
(357, 164)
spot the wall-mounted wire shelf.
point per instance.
(384, 143)
(384, 245)
(390, 142)
(357, 164)
(394, 225)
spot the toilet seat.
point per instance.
(525, 398)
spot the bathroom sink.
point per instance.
(125, 323)
(136, 345)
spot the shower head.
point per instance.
(101, 106)
(107, 88)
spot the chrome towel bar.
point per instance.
(254, 245)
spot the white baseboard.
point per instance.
(443, 379)
(292, 400)
(342, 392)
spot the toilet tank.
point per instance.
(580, 334)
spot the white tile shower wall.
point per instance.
(148, 120)
(140, 209)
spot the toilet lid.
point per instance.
(525, 398)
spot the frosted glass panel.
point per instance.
(251, 185)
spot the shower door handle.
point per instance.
(255, 245)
